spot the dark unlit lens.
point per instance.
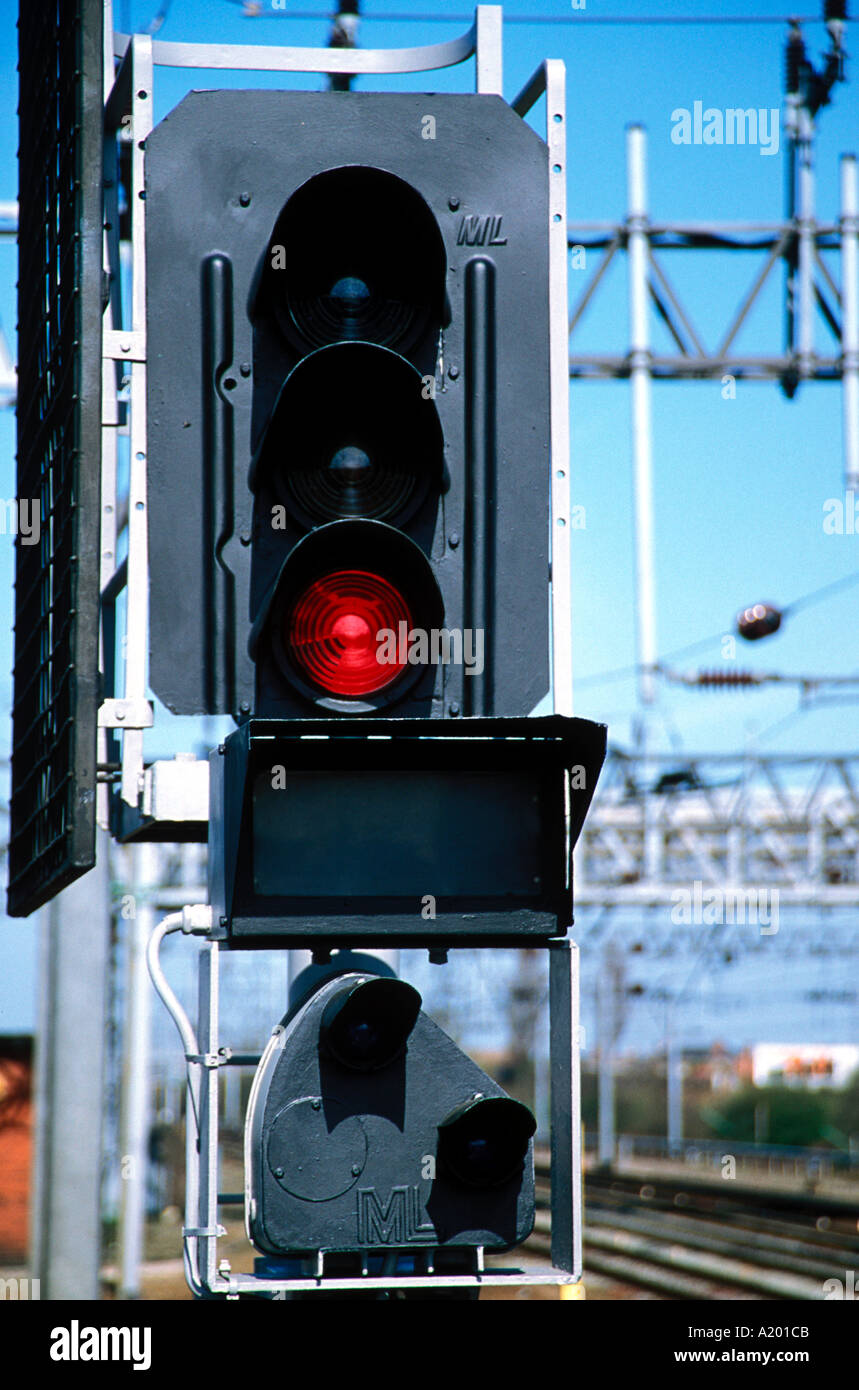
(350, 293)
(484, 1142)
(367, 1024)
(348, 464)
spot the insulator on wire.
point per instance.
(728, 679)
(344, 34)
(794, 57)
(759, 620)
(835, 14)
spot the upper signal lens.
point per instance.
(344, 276)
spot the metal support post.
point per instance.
(606, 1014)
(674, 1078)
(488, 50)
(806, 232)
(550, 78)
(850, 318)
(138, 556)
(134, 1126)
(791, 130)
(66, 1208)
(207, 1033)
(566, 1107)
(639, 377)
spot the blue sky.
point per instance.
(740, 485)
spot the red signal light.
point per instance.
(331, 632)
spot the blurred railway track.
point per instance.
(693, 1240)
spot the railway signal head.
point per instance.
(349, 440)
(370, 1133)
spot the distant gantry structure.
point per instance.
(731, 821)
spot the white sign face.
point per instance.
(804, 1064)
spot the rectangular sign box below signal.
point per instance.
(403, 832)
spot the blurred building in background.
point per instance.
(16, 1145)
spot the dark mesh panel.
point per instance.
(55, 700)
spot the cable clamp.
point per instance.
(206, 1059)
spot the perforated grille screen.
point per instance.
(55, 697)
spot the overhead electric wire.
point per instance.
(816, 596)
(158, 22)
(784, 722)
(397, 17)
(629, 671)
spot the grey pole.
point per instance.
(134, 1128)
(566, 1103)
(344, 34)
(807, 243)
(606, 1029)
(642, 453)
(674, 1069)
(791, 128)
(850, 318)
(70, 1085)
(639, 379)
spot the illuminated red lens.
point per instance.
(332, 632)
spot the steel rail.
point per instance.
(822, 1241)
(735, 1243)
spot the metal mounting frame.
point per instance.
(205, 1055)
(550, 78)
(129, 105)
(482, 41)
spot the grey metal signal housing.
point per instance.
(452, 190)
